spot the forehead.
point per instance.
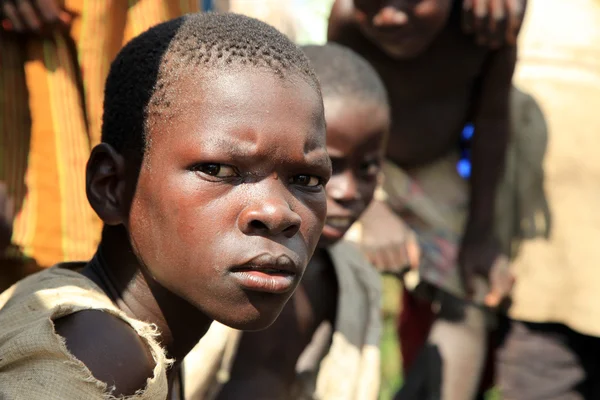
(370, 4)
(376, 5)
(246, 107)
(353, 120)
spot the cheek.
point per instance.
(173, 216)
(367, 191)
(153, 226)
(313, 215)
(433, 15)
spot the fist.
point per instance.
(387, 241)
(494, 22)
(482, 266)
(32, 16)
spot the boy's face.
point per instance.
(355, 138)
(230, 199)
(402, 28)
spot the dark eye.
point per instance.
(370, 167)
(369, 6)
(216, 170)
(337, 165)
(306, 180)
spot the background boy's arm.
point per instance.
(492, 125)
(386, 240)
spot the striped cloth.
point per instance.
(51, 95)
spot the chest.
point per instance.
(443, 76)
(314, 302)
(431, 96)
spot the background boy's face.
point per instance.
(402, 28)
(230, 199)
(355, 138)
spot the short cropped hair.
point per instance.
(344, 73)
(141, 76)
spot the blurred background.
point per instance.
(50, 105)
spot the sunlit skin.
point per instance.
(219, 223)
(222, 190)
(265, 365)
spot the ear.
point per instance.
(106, 184)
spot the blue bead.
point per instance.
(463, 167)
(468, 132)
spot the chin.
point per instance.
(256, 316)
(402, 53)
(325, 242)
(255, 323)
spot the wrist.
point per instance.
(479, 227)
(482, 211)
(380, 195)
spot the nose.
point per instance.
(271, 217)
(343, 187)
(390, 16)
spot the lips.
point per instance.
(391, 35)
(336, 226)
(340, 222)
(268, 273)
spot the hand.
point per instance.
(501, 282)
(32, 16)
(478, 254)
(387, 241)
(494, 22)
(6, 217)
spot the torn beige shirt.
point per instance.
(34, 361)
(349, 369)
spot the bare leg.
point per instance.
(460, 335)
(450, 364)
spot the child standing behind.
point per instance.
(439, 81)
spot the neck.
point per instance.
(320, 253)
(318, 262)
(119, 273)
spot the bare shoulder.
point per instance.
(109, 347)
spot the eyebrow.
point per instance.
(320, 160)
(237, 147)
(315, 155)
